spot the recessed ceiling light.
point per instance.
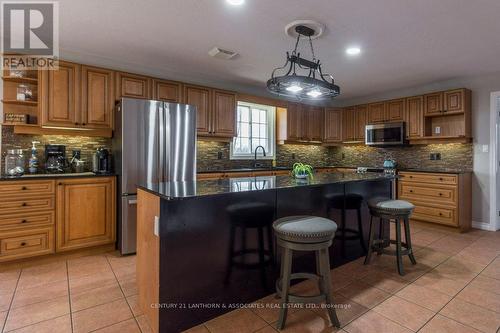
(353, 51)
(235, 2)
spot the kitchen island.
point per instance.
(190, 237)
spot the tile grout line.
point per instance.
(11, 301)
(125, 297)
(69, 298)
(454, 298)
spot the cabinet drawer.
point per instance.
(434, 178)
(20, 205)
(25, 188)
(26, 243)
(444, 194)
(440, 215)
(26, 219)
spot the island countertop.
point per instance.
(201, 188)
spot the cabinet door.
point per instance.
(395, 110)
(224, 114)
(97, 97)
(61, 96)
(454, 101)
(361, 115)
(433, 104)
(168, 91)
(349, 124)
(85, 212)
(333, 125)
(415, 117)
(132, 85)
(376, 113)
(315, 119)
(200, 97)
(294, 122)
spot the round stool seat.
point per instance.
(305, 229)
(391, 207)
(351, 201)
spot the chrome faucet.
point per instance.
(255, 154)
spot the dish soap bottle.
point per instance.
(33, 161)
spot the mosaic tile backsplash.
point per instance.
(87, 145)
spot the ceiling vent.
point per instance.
(219, 53)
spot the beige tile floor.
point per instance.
(455, 287)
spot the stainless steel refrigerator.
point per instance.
(153, 142)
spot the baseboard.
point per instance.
(483, 226)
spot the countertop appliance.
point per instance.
(101, 161)
(388, 134)
(154, 141)
(55, 158)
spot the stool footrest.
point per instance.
(294, 298)
(405, 251)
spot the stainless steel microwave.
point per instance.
(389, 134)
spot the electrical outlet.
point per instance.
(437, 130)
(432, 156)
(219, 155)
(438, 156)
(293, 156)
(343, 156)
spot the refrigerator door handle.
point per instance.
(161, 145)
(132, 202)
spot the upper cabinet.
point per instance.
(447, 102)
(224, 114)
(376, 113)
(78, 97)
(168, 91)
(333, 125)
(60, 100)
(360, 121)
(415, 117)
(97, 97)
(300, 123)
(215, 110)
(349, 124)
(133, 85)
(395, 110)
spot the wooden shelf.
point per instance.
(20, 79)
(16, 102)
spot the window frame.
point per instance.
(271, 133)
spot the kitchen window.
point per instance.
(255, 127)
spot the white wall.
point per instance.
(481, 86)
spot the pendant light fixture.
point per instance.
(311, 83)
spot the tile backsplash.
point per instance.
(455, 156)
(87, 145)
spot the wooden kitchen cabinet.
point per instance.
(455, 101)
(98, 98)
(314, 119)
(333, 125)
(60, 96)
(415, 117)
(361, 118)
(395, 110)
(168, 91)
(376, 113)
(294, 122)
(224, 114)
(133, 85)
(200, 97)
(349, 124)
(438, 198)
(85, 212)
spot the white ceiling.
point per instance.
(404, 42)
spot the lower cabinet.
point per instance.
(438, 198)
(85, 213)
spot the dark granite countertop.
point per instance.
(199, 188)
(440, 170)
(38, 176)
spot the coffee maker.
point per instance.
(101, 162)
(55, 158)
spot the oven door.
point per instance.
(390, 134)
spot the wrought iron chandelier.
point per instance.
(313, 85)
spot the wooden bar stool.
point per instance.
(305, 233)
(391, 211)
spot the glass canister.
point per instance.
(24, 93)
(14, 162)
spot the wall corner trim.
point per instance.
(483, 226)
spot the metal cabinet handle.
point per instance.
(23, 244)
(440, 194)
(24, 221)
(411, 191)
(24, 188)
(441, 178)
(24, 204)
(440, 214)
